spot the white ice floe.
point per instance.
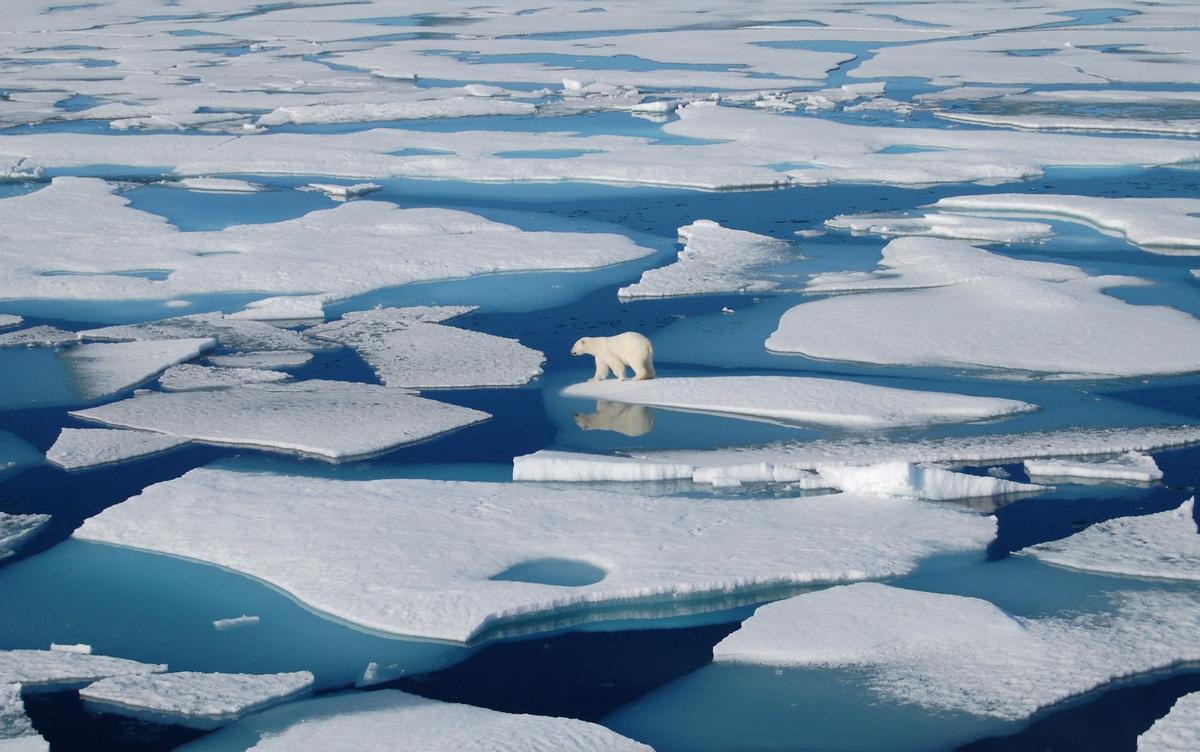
(41, 335)
(714, 259)
(801, 400)
(1159, 225)
(283, 308)
(190, 376)
(915, 481)
(345, 192)
(103, 368)
(946, 303)
(8, 319)
(1177, 731)
(216, 185)
(80, 648)
(936, 225)
(53, 670)
(1163, 545)
(1076, 123)
(16, 732)
(413, 109)
(270, 359)
(230, 331)
(15, 529)
(194, 699)
(409, 347)
(551, 465)
(83, 448)
(469, 561)
(1131, 466)
(236, 622)
(388, 720)
(952, 653)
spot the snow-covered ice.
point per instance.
(236, 622)
(83, 448)
(551, 465)
(283, 308)
(42, 335)
(269, 359)
(15, 529)
(938, 225)
(16, 732)
(1131, 466)
(1163, 545)
(435, 573)
(230, 331)
(918, 482)
(1077, 123)
(100, 369)
(1177, 731)
(81, 648)
(189, 376)
(194, 699)
(8, 319)
(345, 192)
(54, 670)
(216, 185)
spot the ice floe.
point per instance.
(801, 400)
(55, 670)
(189, 376)
(1130, 466)
(194, 699)
(937, 225)
(42, 335)
(714, 259)
(216, 185)
(235, 622)
(230, 331)
(104, 368)
(345, 192)
(1163, 545)
(440, 573)
(410, 347)
(1077, 123)
(946, 303)
(270, 359)
(283, 308)
(15, 529)
(16, 732)
(551, 465)
(918, 482)
(83, 448)
(335, 420)
(1177, 731)
(80, 648)
(8, 319)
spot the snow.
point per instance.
(1131, 466)
(915, 481)
(714, 259)
(936, 225)
(15, 529)
(946, 303)
(216, 185)
(37, 336)
(236, 622)
(194, 699)
(283, 308)
(551, 465)
(53, 670)
(431, 575)
(388, 720)
(230, 331)
(1177, 731)
(262, 359)
(85, 448)
(1163, 545)
(333, 420)
(80, 648)
(102, 369)
(344, 192)
(409, 347)
(803, 400)
(191, 376)
(8, 319)
(16, 732)
(1077, 123)
(953, 653)
(1158, 225)
(419, 109)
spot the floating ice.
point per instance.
(230, 331)
(946, 303)
(409, 347)
(284, 308)
(105, 368)
(193, 699)
(416, 109)
(435, 572)
(1132, 466)
(345, 192)
(235, 622)
(264, 359)
(190, 376)
(15, 529)
(8, 319)
(79, 648)
(1163, 545)
(1177, 731)
(798, 399)
(714, 259)
(915, 481)
(1076, 123)
(16, 732)
(53, 670)
(550, 465)
(388, 720)
(216, 185)
(84, 448)
(37, 336)
(937, 225)
(334, 420)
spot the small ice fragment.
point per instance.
(1130, 466)
(345, 192)
(283, 308)
(80, 648)
(16, 529)
(235, 622)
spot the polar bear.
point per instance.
(614, 353)
(631, 420)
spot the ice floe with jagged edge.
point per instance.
(453, 567)
(100, 369)
(99, 239)
(714, 259)
(269, 359)
(333, 420)
(1076, 123)
(1177, 731)
(188, 376)
(412, 348)
(1159, 225)
(216, 185)
(953, 653)
(906, 479)
(56, 670)
(1163, 545)
(938, 225)
(344, 192)
(388, 720)
(283, 308)
(1128, 466)
(9, 319)
(801, 400)
(228, 330)
(945, 303)
(84, 448)
(42, 335)
(16, 731)
(16, 529)
(194, 699)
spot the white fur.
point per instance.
(615, 353)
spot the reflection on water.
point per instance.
(631, 420)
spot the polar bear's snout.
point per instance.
(616, 353)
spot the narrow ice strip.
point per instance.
(190, 376)
(945, 303)
(952, 653)
(16, 732)
(441, 571)
(216, 185)
(54, 670)
(906, 479)
(389, 720)
(104, 368)
(41, 335)
(345, 192)
(80, 648)
(407, 347)
(1131, 466)
(801, 400)
(1076, 123)
(283, 308)
(235, 622)
(8, 319)
(1160, 225)
(936, 225)
(714, 259)
(232, 331)
(1163, 545)
(551, 465)
(1177, 731)
(16, 529)
(194, 699)
(421, 109)
(85, 448)
(269, 359)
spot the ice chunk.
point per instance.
(85, 448)
(407, 347)
(1163, 545)
(189, 376)
(946, 303)
(334, 420)
(263, 359)
(16, 732)
(8, 319)
(235, 622)
(435, 572)
(194, 699)
(1132, 466)
(937, 225)
(231, 331)
(550, 465)
(345, 192)
(15, 529)
(916, 481)
(80, 648)
(216, 185)
(1075, 123)
(105, 368)
(283, 308)
(798, 399)
(714, 259)
(37, 336)
(53, 670)
(388, 720)
(1177, 731)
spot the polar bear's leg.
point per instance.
(601, 370)
(618, 367)
(643, 367)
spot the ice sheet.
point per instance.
(1177, 731)
(84, 448)
(53, 670)
(190, 376)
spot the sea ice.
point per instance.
(918, 482)
(1177, 731)
(346, 192)
(104, 368)
(80, 648)
(84, 448)
(437, 573)
(283, 308)
(53, 670)
(1132, 466)
(190, 376)
(550, 465)
(16, 732)
(42, 335)
(235, 622)
(936, 225)
(230, 331)
(269, 359)
(1076, 123)
(15, 529)
(8, 319)
(216, 185)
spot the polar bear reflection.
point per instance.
(631, 420)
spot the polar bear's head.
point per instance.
(582, 346)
